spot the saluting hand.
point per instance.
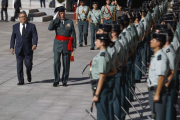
(95, 99)
(156, 98)
(33, 47)
(12, 51)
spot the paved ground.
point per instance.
(39, 100)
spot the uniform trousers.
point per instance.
(57, 66)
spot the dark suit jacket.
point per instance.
(24, 42)
(17, 4)
(4, 3)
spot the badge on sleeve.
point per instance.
(168, 50)
(124, 33)
(142, 20)
(119, 37)
(159, 57)
(136, 25)
(129, 29)
(102, 54)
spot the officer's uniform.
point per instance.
(144, 51)
(64, 30)
(140, 30)
(108, 12)
(159, 65)
(96, 17)
(82, 12)
(101, 64)
(170, 109)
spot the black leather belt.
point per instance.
(152, 88)
(95, 23)
(82, 19)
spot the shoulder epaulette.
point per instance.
(168, 50)
(102, 54)
(159, 57)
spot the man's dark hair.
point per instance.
(23, 12)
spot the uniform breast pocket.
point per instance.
(94, 63)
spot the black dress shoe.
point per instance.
(80, 45)
(20, 83)
(55, 84)
(137, 81)
(29, 78)
(65, 84)
(91, 48)
(85, 43)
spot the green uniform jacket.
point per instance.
(66, 29)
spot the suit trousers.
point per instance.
(43, 1)
(57, 66)
(28, 63)
(6, 14)
(16, 13)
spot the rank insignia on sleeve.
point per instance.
(102, 54)
(119, 37)
(168, 50)
(159, 57)
(129, 29)
(68, 25)
(124, 33)
(142, 20)
(136, 25)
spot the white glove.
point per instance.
(55, 16)
(74, 49)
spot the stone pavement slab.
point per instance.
(39, 100)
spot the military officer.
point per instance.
(170, 83)
(81, 20)
(159, 67)
(118, 90)
(140, 30)
(145, 37)
(95, 18)
(102, 85)
(63, 44)
(108, 12)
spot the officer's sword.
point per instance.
(135, 94)
(116, 117)
(141, 70)
(136, 98)
(85, 68)
(126, 112)
(133, 106)
(177, 108)
(90, 114)
(139, 91)
(144, 64)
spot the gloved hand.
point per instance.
(55, 16)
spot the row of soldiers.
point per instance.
(148, 36)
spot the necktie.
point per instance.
(23, 30)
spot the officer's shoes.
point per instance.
(85, 43)
(138, 81)
(20, 83)
(91, 48)
(29, 78)
(80, 45)
(55, 84)
(65, 84)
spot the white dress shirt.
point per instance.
(21, 27)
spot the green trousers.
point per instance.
(94, 29)
(160, 107)
(105, 105)
(57, 66)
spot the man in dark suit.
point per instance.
(25, 37)
(17, 7)
(4, 5)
